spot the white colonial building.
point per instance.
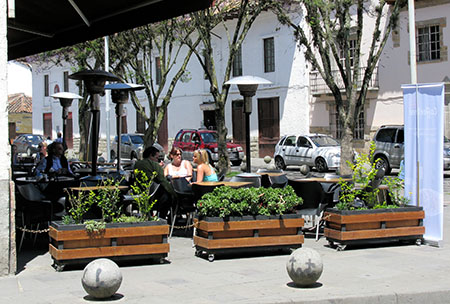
(295, 102)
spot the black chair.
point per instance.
(254, 179)
(32, 208)
(315, 201)
(185, 202)
(129, 202)
(279, 181)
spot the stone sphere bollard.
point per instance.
(304, 169)
(267, 159)
(101, 278)
(304, 266)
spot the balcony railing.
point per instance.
(318, 85)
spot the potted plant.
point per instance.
(247, 218)
(362, 215)
(115, 235)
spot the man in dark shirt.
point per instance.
(150, 164)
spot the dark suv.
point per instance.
(389, 141)
(189, 140)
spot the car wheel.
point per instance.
(382, 162)
(321, 165)
(133, 156)
(28, 151)
(236, 162)
(279, 163)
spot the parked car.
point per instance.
(28, 143)
(132, 147)
(318, 150)
(189, 140)
(389, 151)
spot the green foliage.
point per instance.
(142, 195)
(225, 201)
(364, 171)
(107, 198)
(80, 203)
(93, 226)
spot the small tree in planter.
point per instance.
(361, 217)
(252, 218)
(76, 240)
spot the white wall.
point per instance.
(19, 78)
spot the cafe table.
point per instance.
(331, 180)
(96, 188)
(224, 183)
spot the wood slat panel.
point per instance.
(61, 235)
(363, 218)
(249, 242)
(406, 223)
(362, 226)
(101, 242)
(150, 239)
(373, 234)
(230, 234)
(82, 253)
(244, 225)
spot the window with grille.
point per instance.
(352, 47)
(158, 70)
(46, 86)
(428, 43)
(358, 133)
(269, 55)
(237, 63)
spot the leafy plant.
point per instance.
(80, 203)
(225, 201)
(107, 198)
(356, 195)
(93, 226)
(141, 191)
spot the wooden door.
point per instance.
(12, 131)
(163, 134)
(238, 119)
(47, 125)
(268, 125)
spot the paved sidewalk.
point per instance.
(371, 274)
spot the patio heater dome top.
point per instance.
(100, 74)
(65, 98)
(124, 86)
(247, 79)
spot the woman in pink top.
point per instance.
(178, 167)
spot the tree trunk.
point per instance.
(346, 150)
(224, 161)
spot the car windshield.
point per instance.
(324, 141)
(35, 139)
(137, 139)
(209, 137)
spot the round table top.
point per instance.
(322, 179)
(33, 179)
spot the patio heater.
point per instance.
(65, 99)
(247, 86)
(119, 96)
(94, 80)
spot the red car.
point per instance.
(189, 140)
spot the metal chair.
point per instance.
(185, 202)
(255, 179)
(315, 201)
(129, 202)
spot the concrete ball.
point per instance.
(267, 159)
(304, 169)
(304, 267)
(101, 278)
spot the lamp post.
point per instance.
(247, 86)
(119, 95)
(65, 99)
(94, 80)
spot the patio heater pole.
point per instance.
(65, 99)
(247, 86)
(119, 94)
(94, 80)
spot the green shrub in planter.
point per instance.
(225, 201)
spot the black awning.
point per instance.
(42, 25)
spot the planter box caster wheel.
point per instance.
(419, 242)
(59, 267)
(341, 247)
(331, 244)
(198, 253)
(211, 257)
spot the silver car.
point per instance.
(132, 147)
(389, 151)
(28, 143)
(318, 150)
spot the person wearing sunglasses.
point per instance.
(178, 167)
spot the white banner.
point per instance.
(424, 148)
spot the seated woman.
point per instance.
(178, 167)
(205, 172)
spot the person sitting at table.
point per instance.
(150, 164)
(178, 167)
(205, 172)
(55, 163)
(42, 152)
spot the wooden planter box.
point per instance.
(346, 227)
(72, 244)
(248, 233)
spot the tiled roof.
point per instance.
(19, 103)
